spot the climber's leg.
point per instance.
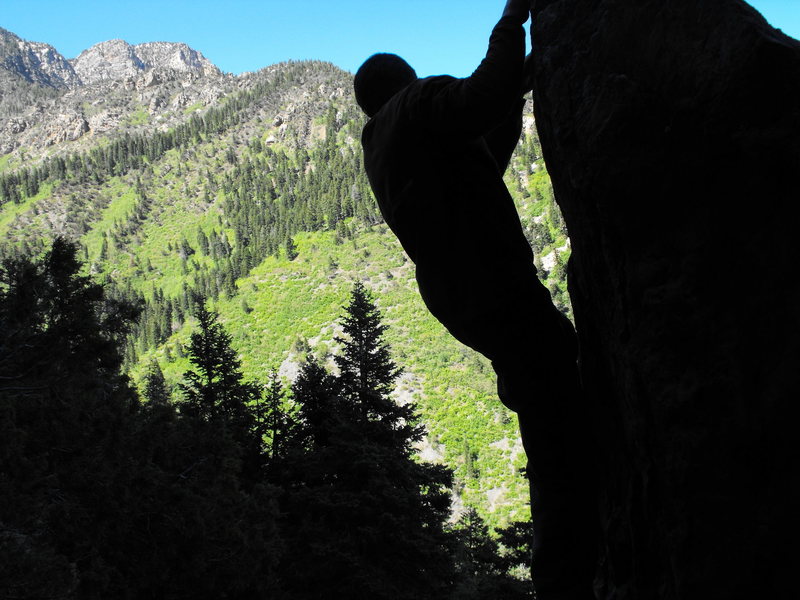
(555, 429)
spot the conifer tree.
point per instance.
(482, 570)
(155, 386)
(215, 390)
(516, 540)
(291, 249)
(63, 409)
(476, 551)
(104, 249)
(367, 370)
(276, 424)
(372, 517)
(202, 241)
(319, 405)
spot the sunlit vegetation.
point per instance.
(273, 228)
(233, 487)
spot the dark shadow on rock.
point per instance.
(671, 131)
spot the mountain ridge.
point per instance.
(35, 62)
(119, 60)
(250, 190)
(47, 100)
(40, 63)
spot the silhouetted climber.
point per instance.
(435, 150)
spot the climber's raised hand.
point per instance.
(518, 9)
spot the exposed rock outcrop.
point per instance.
(35, 62)
(117, 60)
(46, 100)
(111, 60)
(68, 126)
(176, 57)
(671, 131)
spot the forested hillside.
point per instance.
(239, 491)
(254, 197)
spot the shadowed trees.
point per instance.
(63, 407)
(241, 492)
(99, 496)
(372, 518)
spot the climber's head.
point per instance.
(379, 78)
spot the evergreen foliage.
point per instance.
(155, 386)
(142, 223)
(482, 570)
(242, 493)
(373, 518)
(99, 496)
(276, 422)
(215, 389)
(60, 393)
(367, 371)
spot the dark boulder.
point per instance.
(671, 130)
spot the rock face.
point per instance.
(671, 131)
(174, 56)
(48, 103)
(35, 62)
(118, 60)
(111, 60)
(114, 60)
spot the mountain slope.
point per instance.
(49, 102)
(35, 63)
(253, 194)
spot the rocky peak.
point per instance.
(124, 88)
(111, 60)
(174, 56)
(118, 60)
(36, 62)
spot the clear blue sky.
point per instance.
(436, 36)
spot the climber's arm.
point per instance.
(473, 106)
(503, 139)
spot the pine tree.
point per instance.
(372, 518)
(477, 550)
(276, 423)
(368, 373)
(516, 540)
(202, 241)
(201, 493)
(215, 390)
(104, 249)
(320, 408)
(482, 569)
(155, 386)
(64, 406)
(291, 249)
(186, 249)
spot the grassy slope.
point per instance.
(302, 299)
(452, 385)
